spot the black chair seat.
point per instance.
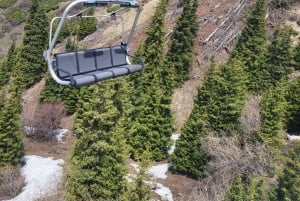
(82, 68)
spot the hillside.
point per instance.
(236, 127)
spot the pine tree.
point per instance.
(296, 56)
(280, 57)
(98, 162)
(86, 26)
(293, 106)
(8, 64)
(217, 108)
(11, 144)
(289, 181)
(273, 107)
(53, 92)
(140, 191)
(251, 48)
(180, 55)
(151, 116)
(31, 65)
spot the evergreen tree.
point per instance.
(273, 107)
(280, 57)
(247, 189)
(31, 64)
(152, 126)
(251, 48)
(289, 182)
(151, 116)
(296, 56)
(217, 108)
(86, 26)
(141, 190)
(53, 92)
(293, 106)
(11, 144)
(98, 162)
(180, 55)
(8, 64)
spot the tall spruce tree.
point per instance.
(152, 120)
(180, 55)
(296, 56)
(11, 144)
(293, 106)
(31, 65)
(273, 107)
(98, 162)
(280, 57)
(8, 64)
(251, 48)
(289, 181)
(217, 109)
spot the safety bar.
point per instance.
(52, 41)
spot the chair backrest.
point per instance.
(80, 62)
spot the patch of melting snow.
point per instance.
(42, 176)
(174, 137)
(164, 192)
(159, 171)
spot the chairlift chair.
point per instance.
(85, 67)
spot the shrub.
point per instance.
(11, 182)
(44, 122)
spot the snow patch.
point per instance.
(292, 137)
(174, 138)
(159, 171)
(164, 192)
(59, 134)
(42, 176)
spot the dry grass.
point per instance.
(11, 182)
(229, 160)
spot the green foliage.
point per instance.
(217, 109)
(113, 8)
(273, 107)
(49, 5)
(8, 64)
(31, 65)
(289, 181)
(53, 93)
(180, 55)
(140, 191)
(11, 144)
(15, 15)
(251, 48)
(188, 158)
(86, 26)
(252, 189)
(279, 56)
(98, 161)
(152, 126)
(7, 3)
(293, 106)
(296, 56)
(222, 96)
(151, 116)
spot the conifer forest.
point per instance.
(222, 76)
